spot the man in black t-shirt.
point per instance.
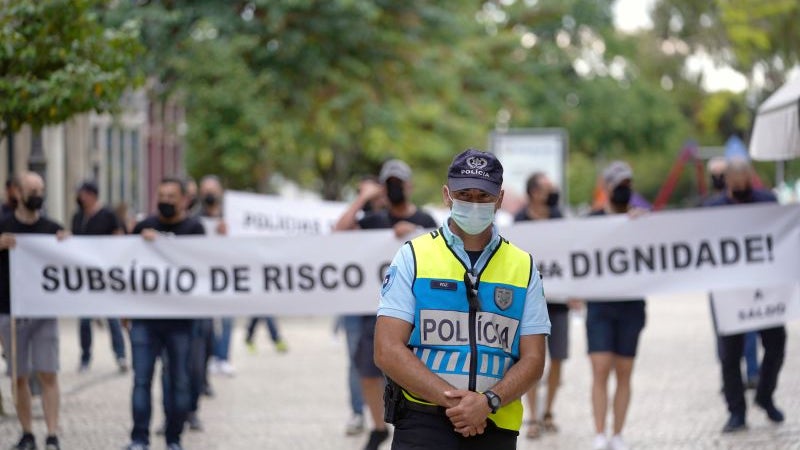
(36, 339)
(543, 205)
(404, 218)
(152, 338)
(94, 219)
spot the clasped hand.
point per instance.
(469, 411)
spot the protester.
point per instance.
(37, 340)
(461, 390)
(716, 170)
(613, 327)
(274, 334)
(543, 205)
(94, 219)
(150, 338)
(372, 197)
(210, 196)
(403, 217)
(740, 191)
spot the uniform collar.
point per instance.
(457, 245)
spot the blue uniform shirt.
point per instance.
(397, 298)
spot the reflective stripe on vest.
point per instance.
(470, 350)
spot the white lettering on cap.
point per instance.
(480, 173)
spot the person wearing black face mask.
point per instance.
(739, 179)
(152, 338)
(37, 350)
(94, 219)
(613, 327)
(403, 217)
(716, 169)
(543, 205)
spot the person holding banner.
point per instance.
(613, 327)
(543, 205)
(151, 338)
(740, 191)
(462, 323)
(31, 345)
(716, 171)
(94, 219)
(404, 218)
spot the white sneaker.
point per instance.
(213, 366)
(617, 443)
(355, 425)
(600, 442)
(226, 368)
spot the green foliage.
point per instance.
(57, 60)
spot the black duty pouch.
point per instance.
(391, 400)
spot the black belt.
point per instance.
(419, 407)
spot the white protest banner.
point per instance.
(743, 310)
(595, 258)
(194, 276)
(616, 257)
(248, 214)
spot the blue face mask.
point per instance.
(473, 218)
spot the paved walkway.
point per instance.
(298, 400)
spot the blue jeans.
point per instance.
(114, 329)
(202, 333)
(149, 339)
(272, 328)
(222, 342)
(352, 329)
(751, 354)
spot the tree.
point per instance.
(57, 60)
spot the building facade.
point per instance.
(126, 154)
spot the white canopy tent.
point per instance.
(776, 131)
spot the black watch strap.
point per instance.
(493, 399)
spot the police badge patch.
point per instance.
(388, 279)
(503, 297)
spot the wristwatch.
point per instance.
(493, 399)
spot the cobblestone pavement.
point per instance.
(298, 400)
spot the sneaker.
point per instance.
(251, 347)
(162, 430)
(281, 347)
(376, 437)
(213, 366)
(735, 422)
(752, 382)
(137, 446)
(355, 425)
(774, 414)
(83, 367)
(51, 443)
(174, 446)
(122, 365)
(600, 442)
(617, 443)
(227, 368)
(194, 422)
(26, 442)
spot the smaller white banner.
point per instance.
(248, 214)
(743, 310)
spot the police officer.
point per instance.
(461, 323)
